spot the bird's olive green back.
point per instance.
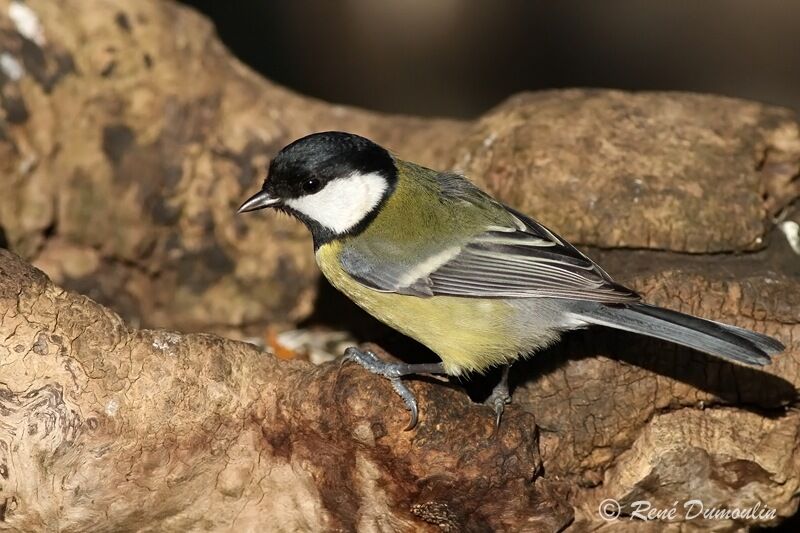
(427, 213)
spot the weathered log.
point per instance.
(129, 136)
(107, 428)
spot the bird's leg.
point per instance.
(500, 396)
(393, 372)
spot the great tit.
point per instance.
(474, 280)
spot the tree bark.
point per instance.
(130, 135)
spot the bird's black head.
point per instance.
(333, 181)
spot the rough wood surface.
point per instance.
(104, 428)
(128, 136)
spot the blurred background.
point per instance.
(460, 57)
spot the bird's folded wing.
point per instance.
(525, 260)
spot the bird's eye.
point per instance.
(311, 185)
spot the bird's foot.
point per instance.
(500, 397)
(498, 401)
(393, 372)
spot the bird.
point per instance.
(479, 283)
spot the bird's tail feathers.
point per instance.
(721, 340)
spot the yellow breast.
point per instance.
(468, 334)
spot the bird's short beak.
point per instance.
(260, 200)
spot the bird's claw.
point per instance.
(365, 358)
(408, 399)
(392, 372)
(499, 406)
(498, 400)
(372, 362)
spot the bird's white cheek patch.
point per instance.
(343, 202)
